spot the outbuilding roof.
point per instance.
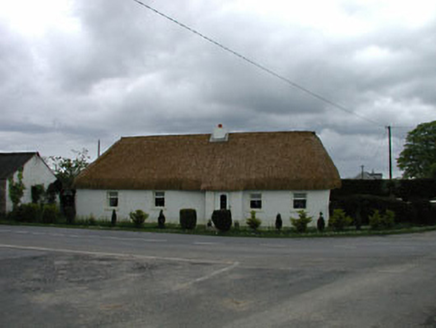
(246, 161)
(12, 162)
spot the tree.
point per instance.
(418, 158)
(66, 169)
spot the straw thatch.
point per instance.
(247, 161)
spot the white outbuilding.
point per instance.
(265, 172)
(30, 167)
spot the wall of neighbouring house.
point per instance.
(95, 202)
(35, 172)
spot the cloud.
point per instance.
(101, 70)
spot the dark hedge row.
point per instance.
(407, 190)
(360, 207)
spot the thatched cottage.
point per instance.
(268, 172)
(34, 172)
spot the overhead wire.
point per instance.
(260, 66)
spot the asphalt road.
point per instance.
(52, 277)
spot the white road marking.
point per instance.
(209, 276)
(274, 245)
(204, 243)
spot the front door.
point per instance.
(221, 201)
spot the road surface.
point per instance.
(53, 277)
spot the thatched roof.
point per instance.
(12, 162)
(247, 161)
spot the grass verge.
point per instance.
(241, 232)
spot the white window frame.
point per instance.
(256, 197)
(159, 195)
(299, 196)
(111, 195)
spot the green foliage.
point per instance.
(138, 217)
(161, 220)
(70, 214)
(279, 222)
(188, 218)
(16, 189)
(236, 225)
(339, 220)
(301, 223)
(253, 222)
(66, 169)
(222, 219)
(91, 220)
(418, 158)
(378, 221)
(26, 213)
(50, 213)
(38, 193)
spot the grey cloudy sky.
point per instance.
(73, 72)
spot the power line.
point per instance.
(260, 66)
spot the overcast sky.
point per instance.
(73, 72)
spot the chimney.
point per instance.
(219, 134)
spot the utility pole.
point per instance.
(98, 148)
(390, 151)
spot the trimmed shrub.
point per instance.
(50, 213)
(138, 218)
(114, 218)
(301, 223)
(320, 224)
(389, 219)
(222, 219)
(279, 222)
(378, 221)
(375, 220)
(253, 222)
(188, 218)
(161, 220)
(339, 220)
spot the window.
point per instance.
(112, 198)
(159, 198)
(300, 200)
(256, 201)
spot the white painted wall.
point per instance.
(274, 202)
(95, 202)
(35, 172)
